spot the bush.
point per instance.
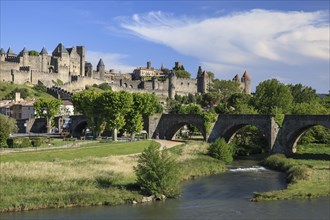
(25, 142)
(10, 142)
(36, 142)
(221, 150)
(157, 173)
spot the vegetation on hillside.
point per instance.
(8, 90)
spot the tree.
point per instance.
(225, 87)
(182, 74)
(144, 105)
(33, 53)
(47, 108)
(85, 103)
(7, 126)
(191, 109)
(272, 97)
(157, 172)
(219, 149)
(239, 103)
(210, 99)
(114, 106)
(302, 93)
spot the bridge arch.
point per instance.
(169, 124)
(294, 126)
(78, 123)
(228, 125)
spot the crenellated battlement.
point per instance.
(68, 65)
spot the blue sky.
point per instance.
(287, 40)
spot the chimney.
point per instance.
(17, 97)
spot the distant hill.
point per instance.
(8, 90)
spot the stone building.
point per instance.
(66, 71)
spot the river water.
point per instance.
(224, 196)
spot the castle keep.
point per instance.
(68, 68)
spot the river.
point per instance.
(224, 196)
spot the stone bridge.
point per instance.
(293, 128)
(284, 139)
(228, 125)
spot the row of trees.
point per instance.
(115, 110)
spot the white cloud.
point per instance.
(110, 60)
(258, 39)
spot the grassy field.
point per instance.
(94, 149)
(97, 174)
(308, 173)
(7, 88)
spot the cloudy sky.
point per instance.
(287, 40)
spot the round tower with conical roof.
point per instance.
(44, 60)
(246, 83)
(101, 69)
(2, 54)
(24, 54)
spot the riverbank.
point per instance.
(72, 178)
(308, 174)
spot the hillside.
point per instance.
(28, 91)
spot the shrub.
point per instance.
(10, 142)
(25, 143)
(36, 142)
(157, 172)
(221, 150)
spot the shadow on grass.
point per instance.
(309, 156)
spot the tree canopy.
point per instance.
(47, 108)
(7, 126)
(272, 97)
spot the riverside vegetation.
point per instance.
(95, 174)
(103, 174)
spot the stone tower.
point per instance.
(25, 56)
(171, 85)
(203, 81)
(44, 60)
(2, 54)
(101, 69)
(246, 83)
(82, 53)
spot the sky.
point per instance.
(286, 40)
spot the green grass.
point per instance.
(308, 175)
(7, 88)
(94, 149)
(88, 175)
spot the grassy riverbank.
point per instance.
(308, 174)
(90, 175)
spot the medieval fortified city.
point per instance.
(86, 132)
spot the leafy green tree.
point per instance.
(220, 150)
(272, 97)
(104, 86)
(226, 88)
(182, 74)
(114, 106)
(40, 88)
(239, 103)
(302, 93)
(191, 109)
(158, 173)
(7, 126)
(144, 105)
(210, 99)
(33, 53)
(85, 103)
(47, 108)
